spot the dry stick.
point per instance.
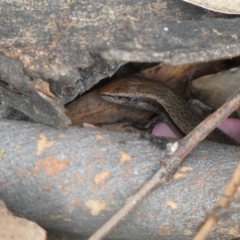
(223, 202)
(171, 162)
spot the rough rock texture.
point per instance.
(74, 180)
(60, 43)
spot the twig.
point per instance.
(223, 203)
(171, 162)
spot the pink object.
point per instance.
(231, 126)
(161, 129)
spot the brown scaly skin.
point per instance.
(154, 95)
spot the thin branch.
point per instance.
(223, 203)
(171, 162)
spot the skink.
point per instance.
(154, 96)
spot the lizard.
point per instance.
(154, 95)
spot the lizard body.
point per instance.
(154, 95)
